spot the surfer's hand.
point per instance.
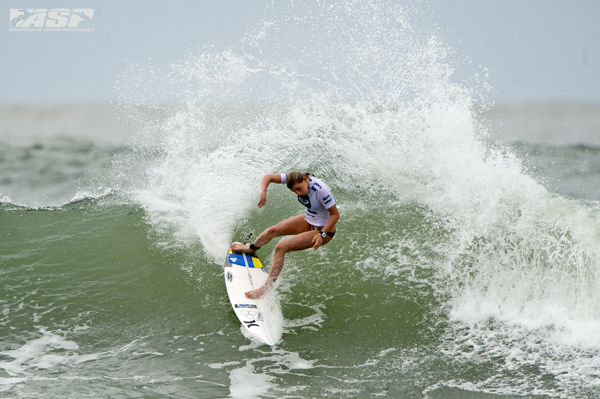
(317, 241)
(262, 199)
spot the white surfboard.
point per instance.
(261, 318)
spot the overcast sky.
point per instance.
(536, 50)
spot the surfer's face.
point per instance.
(300, 188)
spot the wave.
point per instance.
(366, 101)
(82, 199)
(54, 170)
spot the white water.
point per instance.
(374, 110)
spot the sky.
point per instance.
(534, 50)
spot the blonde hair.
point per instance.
(295, 177)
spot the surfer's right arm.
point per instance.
(264, 184)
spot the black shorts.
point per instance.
(320, 228)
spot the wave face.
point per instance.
(454, 269)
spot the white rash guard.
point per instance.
(317, 201)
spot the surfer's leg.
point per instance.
(298, 242)
(292, 226)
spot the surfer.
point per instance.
(314, 228)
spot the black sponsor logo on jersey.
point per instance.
(304, 200)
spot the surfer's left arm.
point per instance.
(334, 216)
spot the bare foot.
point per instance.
(257, 293)
(245, 249)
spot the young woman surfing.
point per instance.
(314, 228)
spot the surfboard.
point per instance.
(261, 318)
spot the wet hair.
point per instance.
(295, 177)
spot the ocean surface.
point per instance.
(466, 262)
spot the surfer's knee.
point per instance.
(281, 248)
(272, 231)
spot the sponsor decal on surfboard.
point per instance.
(238, 259)
(245, 306)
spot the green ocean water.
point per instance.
(92, 307)
(98, 302)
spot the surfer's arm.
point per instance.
(264, 185)
(334, 216)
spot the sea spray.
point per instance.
(360, 96)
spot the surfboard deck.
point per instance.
(259, 317)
